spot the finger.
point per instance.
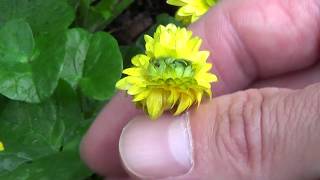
(232, 62)
(106, 134)
(118, 178)
(252, 39)
(294, 80)
(254, 134)
(99, 146)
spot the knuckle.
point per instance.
(291, 125)
(252, 128)
(303, 111)
(300, 110)
(239, 131)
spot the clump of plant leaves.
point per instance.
(56, 70)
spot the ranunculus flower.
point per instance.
(173, 74)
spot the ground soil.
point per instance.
(137, 19)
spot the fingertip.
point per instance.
(248, 44)
(156, 149)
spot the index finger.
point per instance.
(251, 40)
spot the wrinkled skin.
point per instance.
(270, 133)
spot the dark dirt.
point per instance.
(137, 19)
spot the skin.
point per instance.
(254, 44)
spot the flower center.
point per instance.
(171, 71)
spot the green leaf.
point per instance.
(113, 7)
(3, 102)
(42, 15)
(27, 132)
(17, 41)
(74, 3)
(59, 166)
(29, 69)
(41, 136)
(16, 49)
(165, 19)
(103, 67)
(69, 110)
(92, 61)
(47, 65)
(77, 45)
(97, 17)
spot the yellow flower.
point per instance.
(191, 10)
(172, 74)
(1, 146)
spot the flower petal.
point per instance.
(1, 146)
(132, 71)
(123, 84)
(185, 103)
(141, 96)
(140, 60)
(172, 74)
(154, 104)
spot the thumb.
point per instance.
(255, 134)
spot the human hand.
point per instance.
(270, 133)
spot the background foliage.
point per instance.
(58, 66)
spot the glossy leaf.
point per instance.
(103, 67)
(29, 67)
(77, 45)
(43, 15)
(97, 17)
(35, 135)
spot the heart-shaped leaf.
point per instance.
(29, 68)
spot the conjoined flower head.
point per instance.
(1, 146)
(191, 10)
(172, 74)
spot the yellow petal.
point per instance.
(133, 90)
(191, 10)
(194, 44)
(204, 84)
(210, 77)
(173, 98)
(204, 80)
(141, 96)
(187, 10)
(149, 45)
(1, 146)
(209, 93)
(172, 74)
(176, 2)
(123, 84)
(201, 56)
(135, 81)
(154, 104)
(185, 103)
(199, 96)
(140, 60)
(211, 2)
(207, 67)
(132, 71)
(148, 39)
